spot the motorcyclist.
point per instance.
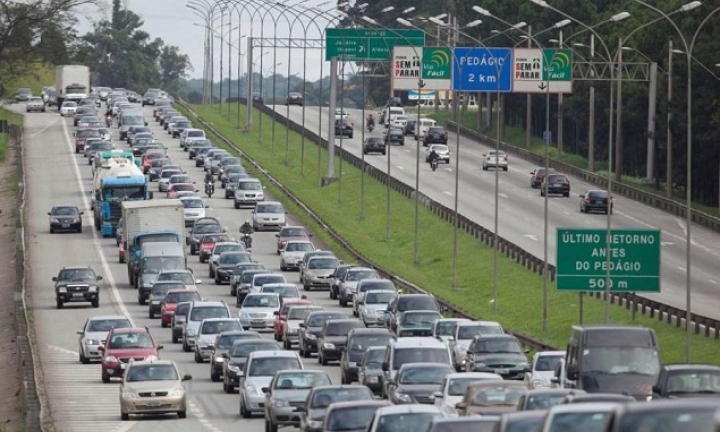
(209, 177)
(246, 228)
(434, 157)
(370, 120)
(108, 119)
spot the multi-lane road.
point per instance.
(521, 208)
(78, 401)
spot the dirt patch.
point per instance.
(10, 404)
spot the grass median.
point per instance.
(339, 205)
(12, 119)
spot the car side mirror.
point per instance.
(527, 351)
(438, 395)
(101, 348)
(572, 372)
(98, 277)
(303, 297)
(461, 405)
(451, 339)
(49, 214)
(555, 380)
(302, 325)
(224, 355)
(277, 235)
(300, 410)
(54, 279)
(266, 390)
(386, 367)
(656, 390)
(581, 195)
(187, 377)
(276, 313)
(159, 347)
(80, 332)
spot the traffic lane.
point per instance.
(522, 209)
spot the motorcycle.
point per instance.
(246, 239)
(434, 164)
(209, 189)
(370, 127)
(108, 121)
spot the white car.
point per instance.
(190, 135)
(95, 332)
(258, 311)
(454, 386)
(442, 151)
(194, 208)
(261, 279)
(375, 303)
(542, 369)
(207, 333)
(269, 214)
(292, 254)
(68, 108)
(400, 121)
(340, 114)
(164, 179)
(497, 159)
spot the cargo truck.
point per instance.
(112, 185)
(72, 82)
(146, 222)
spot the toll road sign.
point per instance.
(538, 70)
(481, 69)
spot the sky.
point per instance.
(176, 24)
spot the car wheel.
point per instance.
(96, 303)
(151, 314)
(243, 411)
(582, 209)
(141, 300)
(163, 324)
(105, 377)
(211, 274)
(52, 231)
(505, 169)
(182, 414)
(174, 339)
(320, 359)
(567, 195)
(236, 205)
(185, 346)
(124, 416)
(383, 153)
(306, 287)
(198, 358)
(214, 377)
(342, 302)
(286, 344)
(217, 280)
(59, 304)
(83, 359)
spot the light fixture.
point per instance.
(437, 21)
(553, 41)
(677, 51)
(690, 6)
(387, 9)
(368, 19)
(578, 44)
(563, 23)
(363, 6)
(403, 21)
(617, 17)
(481, 11)
(408, 10)
(541, 3)
(441, 16)
(519, 25)
(473, 23)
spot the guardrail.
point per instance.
(648, 198)
(662, 312)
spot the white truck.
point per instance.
(72, 82)
(149, 221)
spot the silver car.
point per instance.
(497, 159)
(292, 254)
(372, 312)
(248, 192)
(259, 370)
(164, 180)
(194, 209)
(35, 104)
(287, 391)
(348, 287)
(318, 271)
(268, 215)
(207, 332)
(94, 333)
(258, 310)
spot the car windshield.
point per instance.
(269, 208)
(621, 360)
(182, 309)
(233, 258)
(373, 357)
(323, 263)
(245, 349)
(65, 211)
(157, 264)
(405, 422)
(207, 228)
(239, 269)
(496, 153)
(264, 280)
(323, 398)
(299, 313)
(597, 194)
(417, 303)
(182, 187)
(547, 363)
(292, 232)
(261, 301)
(232, 247)
(301, 380)
(193, 203)
(543, 401)
(104, 145)
(88, 133)
(131, 341)
(184, 277)
(202, 313)
(585, 421)
(424, 375)
(363, 342)
(381, 285)
(671, 420)
(420, 355)
(341, 328)
(180, 179)
(213, 238)
(282, 290)
(497, 346)
(299, 247)
(358, 275)
(160, 289)
(77, 275)
(195, 133)
(420, 318)
(178, 297)
(227, 341)
(318, 320)
(105, 325)
(347, 419)
(381, 297)
(458, 386)
(215, 327)
(156, 372)
(694, 381)
(470, 331)
(270, 365)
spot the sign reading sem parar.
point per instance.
(406, 63)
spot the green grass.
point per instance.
(519, 290)
(38, 76)
(13, 119)
(515, 135)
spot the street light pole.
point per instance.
(668, 129)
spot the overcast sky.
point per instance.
(176, 24)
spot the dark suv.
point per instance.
(332, 340)
(374, 145)
(77, 284)
(343, 128)
(555, 184)
(594, 200)
(435, 135)
(409, 302)
(395, 135)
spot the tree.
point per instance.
(173, 66)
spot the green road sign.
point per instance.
(436, 63)
(582, 261)
(368, 44)
(557, 65)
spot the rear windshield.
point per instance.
(201, 313)
(420, 355)
(598, 194)
(417, 303)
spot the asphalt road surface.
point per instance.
(78, 401)
(521, 208)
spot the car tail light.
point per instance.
(506, 158)
(587, 200)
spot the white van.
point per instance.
(424, 125)
(389, 113)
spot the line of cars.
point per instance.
(551, 182)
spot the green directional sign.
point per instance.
(368, 44)
(585, 255)
(557, 65)
(436, 63)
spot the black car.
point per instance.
(195, 147)
(65, 218)
(180, 127)
(558, 184)
(358, 341)
(595, 200)
(257, 97)
(237, 356)
(201, 227)
(294, 99)
(435, 135)
(374, 145)
(343, 128)
(222, 346)
(226, 265)
(333, 338)
(310, 330)
(77, 284)
(321, 397)
(395, 135)
(410, 127)
(417, 383)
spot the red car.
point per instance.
(81, 136)
(279, 324)
(174, 188)
(150, 156)
(170, 301)
(124, 345)
(207, 243)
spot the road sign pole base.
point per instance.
(326, 181)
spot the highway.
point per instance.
(521, 208)
(78, 401)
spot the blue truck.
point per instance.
(113, 185)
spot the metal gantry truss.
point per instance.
(601, 71)
(301, 43)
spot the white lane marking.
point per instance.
(712, 282)
(666, 243)
(682, 226)
(681, 268)
(96, 240)
(448, 193)
(531, 237)
(46, 128)
(399, 167)
(502, 195)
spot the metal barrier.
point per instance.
(653, 200)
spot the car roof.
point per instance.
(584, 407)
(425, 365)
(476, 375)
(177, 271)
(108, 317)
(77, 268)
(415, 342)
(227, 243)
(207, 303)
(276, 353)
(476, 323)
(685, 366)
(370, 330)
(407, 409)
(154, 362)
(168, 281)
(180, 290)
(357, 403)
(219, 319)
(130, 330)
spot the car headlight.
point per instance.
(176, 392)
(329, 346)
(522, 365)
(648, 398)
(538, 383)
(92, 288)
(403, 397)
(155, 302)
(219, 359)
(315, 424)
(191, 332)
(309, 273)
(234, 368)
(479, 365)
(110, 359)
(310, 336)
(292, 330)
(373, 379)
(129, 394)
(370, 312)
(244, 315)
(92, 342)
(280, 402)
(54, 220)
(62, 290)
